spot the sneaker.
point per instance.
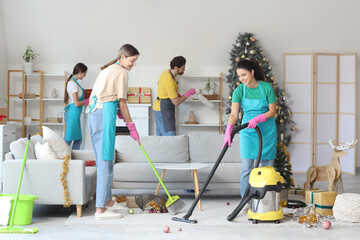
(245, 209)
(116, 207)
(107, 215)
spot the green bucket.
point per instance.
(24, 208)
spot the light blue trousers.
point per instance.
(246, 166)
(105, 168)
(160, 129)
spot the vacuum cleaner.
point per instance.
(263, 190)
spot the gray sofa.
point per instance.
(132, 170)
(42, 178)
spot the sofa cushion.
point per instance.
(206, 148)
(56, 142)
(44, 151)
(174, 149)
(142, 172)
(17, 147)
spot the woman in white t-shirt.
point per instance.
(74, 100)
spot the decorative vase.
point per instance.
(54, 93)
(28, 67)
(27, 119)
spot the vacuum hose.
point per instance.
(241, 205)
(237, 129)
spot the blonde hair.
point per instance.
(127, 49)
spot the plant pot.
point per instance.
(28, 67)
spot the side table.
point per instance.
(181, 167)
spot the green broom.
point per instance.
(10, 228)
(174, 204)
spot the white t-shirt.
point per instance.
(71, 88)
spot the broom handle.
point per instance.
(151, 164)
(18, 189)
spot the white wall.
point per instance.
(64, 32)
(3, 68)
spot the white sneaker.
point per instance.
(245, 209)
(107, 215)
(117, 207)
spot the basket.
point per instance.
(24, 208)
(211, 97)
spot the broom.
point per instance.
(10, 228)
(174, 204)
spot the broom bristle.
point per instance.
(18, 230)
(175, 206)
(205, 101)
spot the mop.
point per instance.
(174, 204)
(10, 228)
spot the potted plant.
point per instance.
(29, 57)
(210, 90)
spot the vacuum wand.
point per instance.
(186, 217)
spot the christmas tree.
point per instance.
(246, 48)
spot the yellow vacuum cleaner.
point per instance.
(264, 193)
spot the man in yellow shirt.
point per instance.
(168, 97)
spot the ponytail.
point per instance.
(252, 65)
(79, 67)
(127, 49)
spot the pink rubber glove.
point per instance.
(86, 101)
(258, 119)
(190, 92)
(119, 114)
(133, 132)
(227, 139)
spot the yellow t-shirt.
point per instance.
(167, 88)
(110, 85)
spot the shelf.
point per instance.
(52, 124)
(53, 99)
(32, 124)
(193, 100)
(199, 125)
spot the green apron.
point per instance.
(109, 128)
(73, 126)
(248, 138)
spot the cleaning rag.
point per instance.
(5, 205)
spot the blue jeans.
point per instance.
(246, 166)
(105, 168)
(160, 129)
(76, 144)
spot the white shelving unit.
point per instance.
(40, 107)
(207, 117)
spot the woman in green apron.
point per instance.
(108, 99)
(257, 98)
(74, 100)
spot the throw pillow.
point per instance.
(56, 142)
(44, 151)
(17, 147)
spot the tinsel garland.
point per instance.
(63, 181)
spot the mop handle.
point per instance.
(147, 157)
(19, 185)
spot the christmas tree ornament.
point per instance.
(252, 52)
(237, 59)
(281, 121)
(229, 97)
(281, 136)
(238, 44)
(238, 83)
(252, 39)
(275, 116)
(293, 128)
(269, 68)
(243, 56)
(246, 51)
(260, 64)
(272, 78)
(247, 44)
